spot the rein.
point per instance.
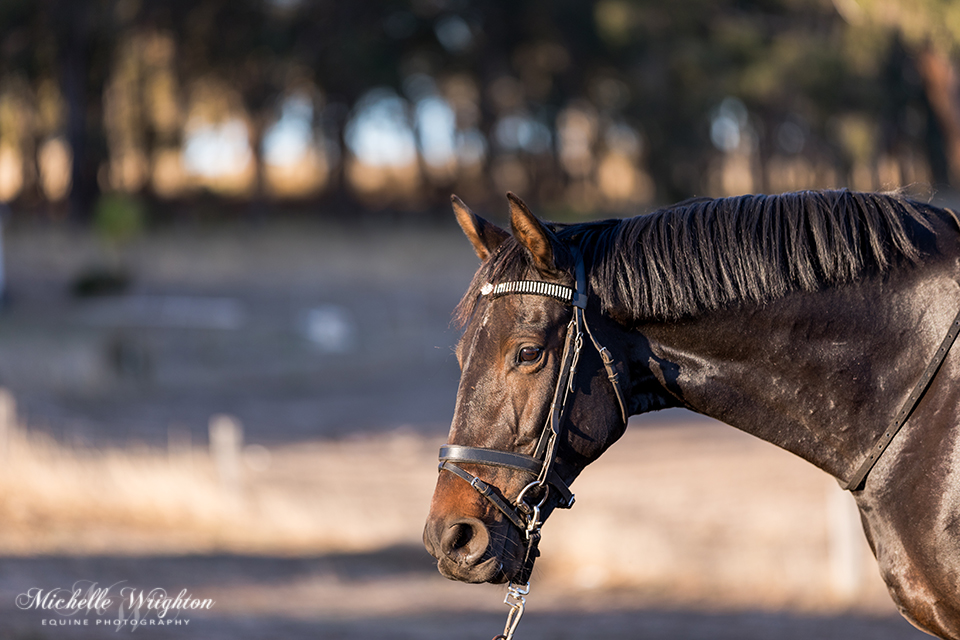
(521, 513)
(880, 445)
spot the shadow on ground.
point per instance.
(391, 593)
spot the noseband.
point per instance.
(521, 513)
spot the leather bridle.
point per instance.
(521, 513)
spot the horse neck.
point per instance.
(818, 374)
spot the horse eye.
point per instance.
(530, 354)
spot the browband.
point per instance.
(534, 287)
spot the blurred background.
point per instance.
(227, 264)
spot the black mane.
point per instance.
(706, 253)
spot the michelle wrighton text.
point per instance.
(88, 604)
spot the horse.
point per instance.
(820, 321)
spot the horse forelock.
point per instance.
(511, 262)
(705, 254)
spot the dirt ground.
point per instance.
(331, 346)
(732, 558)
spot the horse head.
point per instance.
(539, 398)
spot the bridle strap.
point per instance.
(507, 459)
(612, 375)
(580, 304)
(909, 405)
(550, 437)
(487, 492)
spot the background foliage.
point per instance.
(611, 105)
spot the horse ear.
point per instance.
(484, 236)
(533, 235)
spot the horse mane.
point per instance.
(705, 254)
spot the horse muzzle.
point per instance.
(465, 550)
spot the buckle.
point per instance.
(481, 487)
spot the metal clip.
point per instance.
(516, 601)
(533, 524)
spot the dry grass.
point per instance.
(297, 499)
(678, 515)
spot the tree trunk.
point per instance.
(942, 88)
(81, 123)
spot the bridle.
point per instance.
(524, 515)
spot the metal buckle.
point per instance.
(533, 524)
(480, 486)
(521, 504)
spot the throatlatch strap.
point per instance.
(612, 375)
(906, 410)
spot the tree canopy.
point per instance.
(609, 105)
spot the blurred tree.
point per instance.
(931, 31)
(606, 104)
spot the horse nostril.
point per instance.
(465, 541)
